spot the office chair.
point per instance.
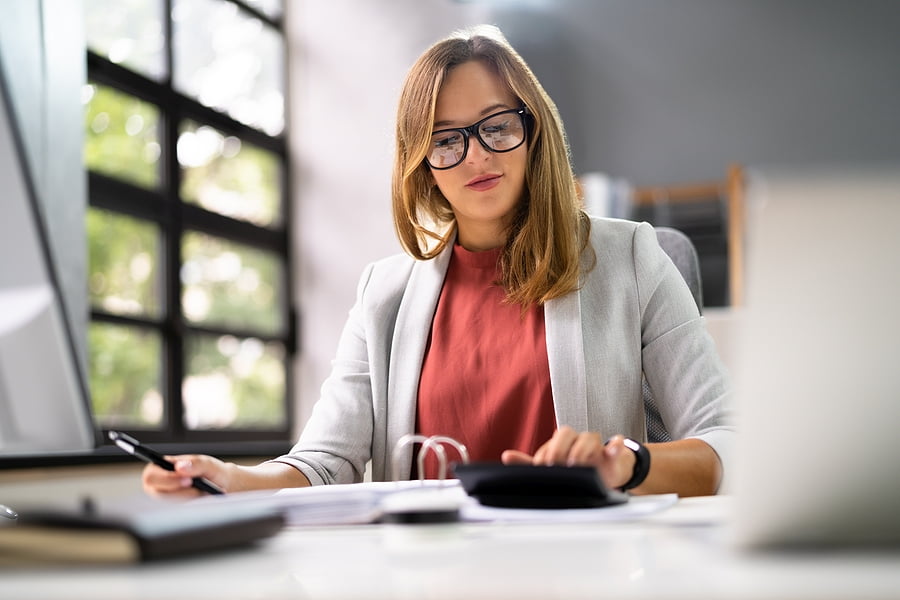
(683, 253)
(681, 250)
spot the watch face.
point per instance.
(632, 445)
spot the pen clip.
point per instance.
(125, 446)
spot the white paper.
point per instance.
(360, 503)
(636, 507)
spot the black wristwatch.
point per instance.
(641, 464)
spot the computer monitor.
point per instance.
(44, 405)
(817, 376)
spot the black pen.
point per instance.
(135, 448)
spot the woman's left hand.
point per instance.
(613, 460)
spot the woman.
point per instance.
(515, 323)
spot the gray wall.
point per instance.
(656, 91)
(348, 59)
(671, 91)
(42, 53)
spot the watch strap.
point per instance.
(641, 463)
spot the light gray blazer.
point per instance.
(633, 314)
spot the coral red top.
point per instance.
(485, 379)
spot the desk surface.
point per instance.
(683, 552)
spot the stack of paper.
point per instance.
(367, 503)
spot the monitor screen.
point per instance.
(44, 406)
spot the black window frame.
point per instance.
(164, 208)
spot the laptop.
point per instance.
(818, 360)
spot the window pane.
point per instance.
(234, 383)
(126, 376)
(229, 61)
(124, 257)
(228, 176)
(121, 136)
(231, 285)
(129, 33)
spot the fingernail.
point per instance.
(186, 482)
(183, 464)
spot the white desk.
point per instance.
(680, 553)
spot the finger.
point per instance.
(557, 448)
(199, 465)
(516, 457)
(157, 482)
(587, 449)
(617, 463)
(540, 454)
(158, 477)
(189, 465)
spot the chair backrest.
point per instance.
(681, 250)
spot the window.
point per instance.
(191, 329)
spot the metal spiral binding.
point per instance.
(434, 443)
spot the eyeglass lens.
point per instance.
(501, 132)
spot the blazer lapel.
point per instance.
(565, 353)
(414, 319)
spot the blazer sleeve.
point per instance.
(335, 444)
(679, 357)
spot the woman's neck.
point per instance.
(478, 239)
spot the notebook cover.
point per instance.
(64, 536)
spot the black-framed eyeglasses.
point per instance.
(499, 132)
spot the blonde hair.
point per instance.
(541, 259)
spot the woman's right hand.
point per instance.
(178, 483)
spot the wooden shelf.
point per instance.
(711, 213)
